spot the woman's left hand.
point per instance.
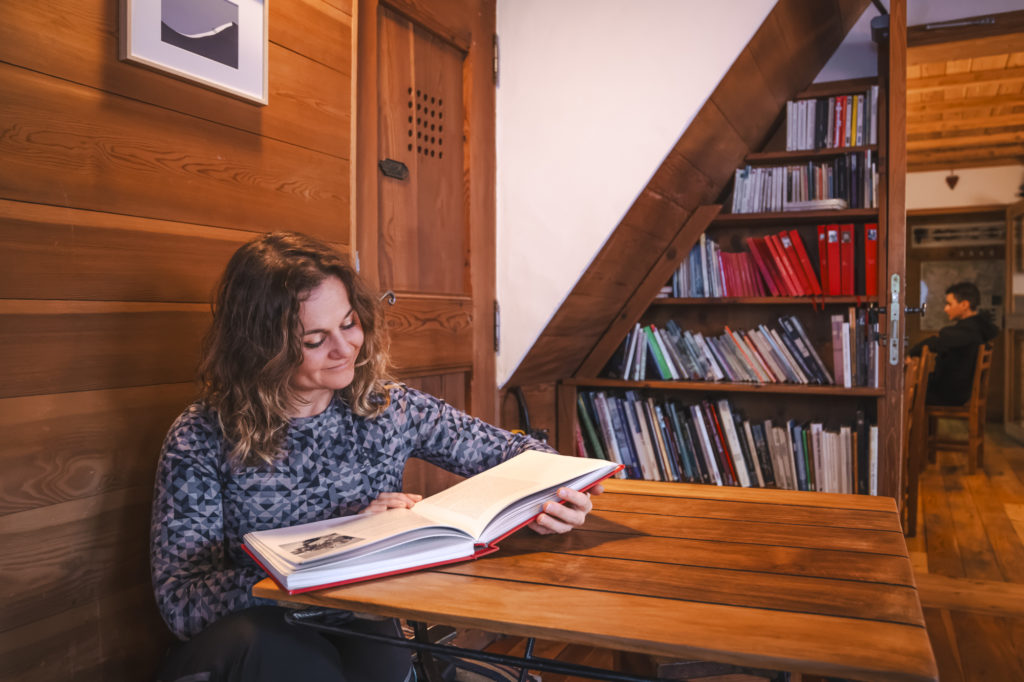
(561, 518)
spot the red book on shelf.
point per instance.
(762, 266)
(753, 276)
(846, 259)
(792, 284)
(805, 262)
(834, 286)
(871, 259)
(823, 256)
(727, 274)
(793, 261)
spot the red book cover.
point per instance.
(743, 265)
(793, 261)
(792, 285)
(805, 262)
(823, 256)
(727, 278)
(718, 438)
(762, 266)
(834, 286)
(753, 276)
(846, 259)
(871, 259)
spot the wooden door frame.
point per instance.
(1013, 212)
(472, 32)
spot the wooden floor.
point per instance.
(968, 555)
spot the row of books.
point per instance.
(855, 347)
(844, 264)
(833, 122)
(847, 181)
(712, 442)
(763, 355)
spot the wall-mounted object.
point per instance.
(219, 44)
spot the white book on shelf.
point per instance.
(847, 369)
(846, 458)
(820, 459)
(832, 204)
(705, 443)
(733, 442)
(748, 437)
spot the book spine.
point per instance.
(732, 442)
(705, 443)
(846, 260)
(871, 259)
(835, 287)
(805, 262)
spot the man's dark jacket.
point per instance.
(956, 349)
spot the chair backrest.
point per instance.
(917, 417)
(982, 367)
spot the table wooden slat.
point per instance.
(798, 594)
(761, 532)
(837, 564)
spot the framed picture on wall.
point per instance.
(219, 44)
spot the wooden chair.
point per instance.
(973, 413)
(915, 388)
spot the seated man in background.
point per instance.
(956, 346)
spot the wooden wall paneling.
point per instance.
(56, 346)
(67, 446)
(645, 292)
(430, 334)
(70, 145)
(566, 409)
(309, 76)
(73, 552)
(746, 100)
(453, 20)
(64, 253)
(813, 29)
(89, 642)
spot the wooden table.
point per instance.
(803, 582)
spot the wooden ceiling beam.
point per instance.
(974, 157)
(988, 76)
(969, 123)
(966, 104)
(1009, 137)
(981, 130)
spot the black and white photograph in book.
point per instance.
(712, 441)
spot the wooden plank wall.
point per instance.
(122, 194)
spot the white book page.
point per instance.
(324, 541)
(472, 504)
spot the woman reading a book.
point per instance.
(296, 422)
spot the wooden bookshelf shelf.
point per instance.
(725, 387)
(768, 300)
(774, 220)
(787, 157)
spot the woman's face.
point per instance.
(331, 339)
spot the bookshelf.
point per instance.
(831, 405)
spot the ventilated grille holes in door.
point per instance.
(426, 124)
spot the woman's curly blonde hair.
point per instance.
(254, 345)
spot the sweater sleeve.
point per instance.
(454, 440)
(193, 580)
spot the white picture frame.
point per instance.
(219, 44)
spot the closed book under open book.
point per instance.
(460, 523)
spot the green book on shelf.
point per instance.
(593, 442)
(659, 359)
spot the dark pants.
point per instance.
(257, 645)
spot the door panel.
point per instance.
(422, 218)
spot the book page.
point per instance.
(324, 541)
(526, 481)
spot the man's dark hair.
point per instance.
(966, 291)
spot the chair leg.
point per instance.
(932, 436)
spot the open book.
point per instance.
(463, 522)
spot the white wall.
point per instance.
(976, 186)
(592, 95)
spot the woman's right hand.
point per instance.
(387, 501)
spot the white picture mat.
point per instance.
(142, 43)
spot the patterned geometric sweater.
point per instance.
(336, 464)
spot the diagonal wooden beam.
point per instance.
(634, 308)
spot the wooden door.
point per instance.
(424, 190)
(1013, 403)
